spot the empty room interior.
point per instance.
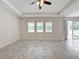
(39, 29)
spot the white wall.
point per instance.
(57, 34)
(72, 9)
(9, 28)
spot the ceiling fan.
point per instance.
(41, 2)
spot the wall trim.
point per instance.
(43, 39)
(7, 43)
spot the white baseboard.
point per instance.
(7, 43)
(43, 38)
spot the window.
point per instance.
(39, 27)
(48, 27)
(31, 27)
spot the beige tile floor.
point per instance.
(26, 49)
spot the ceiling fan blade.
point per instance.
(40, 6)
(47, 2)
(33, 2)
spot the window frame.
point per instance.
(42, 26)
(27, 26)
(51, 26)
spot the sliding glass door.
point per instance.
(73, 29)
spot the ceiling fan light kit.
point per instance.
(41, 2)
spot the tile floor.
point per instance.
(27, 49)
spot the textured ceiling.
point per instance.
(25, 7)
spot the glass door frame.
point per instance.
(66, 28)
